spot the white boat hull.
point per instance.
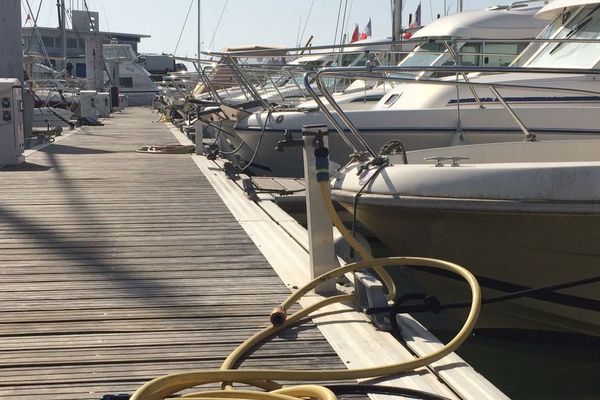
(515, 225)
(415, 129)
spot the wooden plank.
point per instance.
(116, 267)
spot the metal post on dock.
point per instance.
(199, 137)
(320, 227)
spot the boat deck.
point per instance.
(117, 267)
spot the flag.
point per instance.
(367, 32)
(355, 36)
(28, 18)
(417, 21)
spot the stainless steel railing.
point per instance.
(387, 73)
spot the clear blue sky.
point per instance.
(244, 22)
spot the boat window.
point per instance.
(468, 59)
(361, 61)
(566, 54)
(425, 54)
(370, 98)
(350, 59)
(548, 32)
(391, 100)
(126, 82)
(500, 54)
(119, 52)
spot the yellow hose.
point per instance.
(166, 386)
(162, 387)
(356, 245)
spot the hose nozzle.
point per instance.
(278, 316)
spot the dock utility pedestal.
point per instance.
(11, 122)
(87, 100)
(103, 104)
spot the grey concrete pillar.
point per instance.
(11, 53)
(11, 45)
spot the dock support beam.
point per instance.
(320, 227)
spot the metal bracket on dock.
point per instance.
(369, 295)
(249, 188)
(231, 171)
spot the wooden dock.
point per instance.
(117, 267)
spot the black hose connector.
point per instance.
(278, 316)
(322, 164)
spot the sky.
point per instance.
(244, 22)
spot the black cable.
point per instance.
(381, 389)
(262, 134)
(432, 304)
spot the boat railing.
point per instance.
(281, 82)
(264, 82)
(279, 79)
(403, 74)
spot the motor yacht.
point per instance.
(281, 87)
(134, 80)
(425, 116)
(523, 216)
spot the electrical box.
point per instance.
(11, 122)
(87, 102)
(103, 104)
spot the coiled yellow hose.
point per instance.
(168, 385)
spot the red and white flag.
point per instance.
(366, 33)
(355, 34)
(416, 23)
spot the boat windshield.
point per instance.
(425, 55)
(565, 54)
(119, 53)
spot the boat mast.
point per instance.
(397, 26)
(62, 23)
(199, 32)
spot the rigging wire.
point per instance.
(298, 33)
(105, 18)
(39, 37)
(306, 21)
(337, 23)
(183, 27)
(37, 14)
(343, 23)
(223, 30)
(349, 13)
(212, 39)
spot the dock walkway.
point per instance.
(117, 267)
